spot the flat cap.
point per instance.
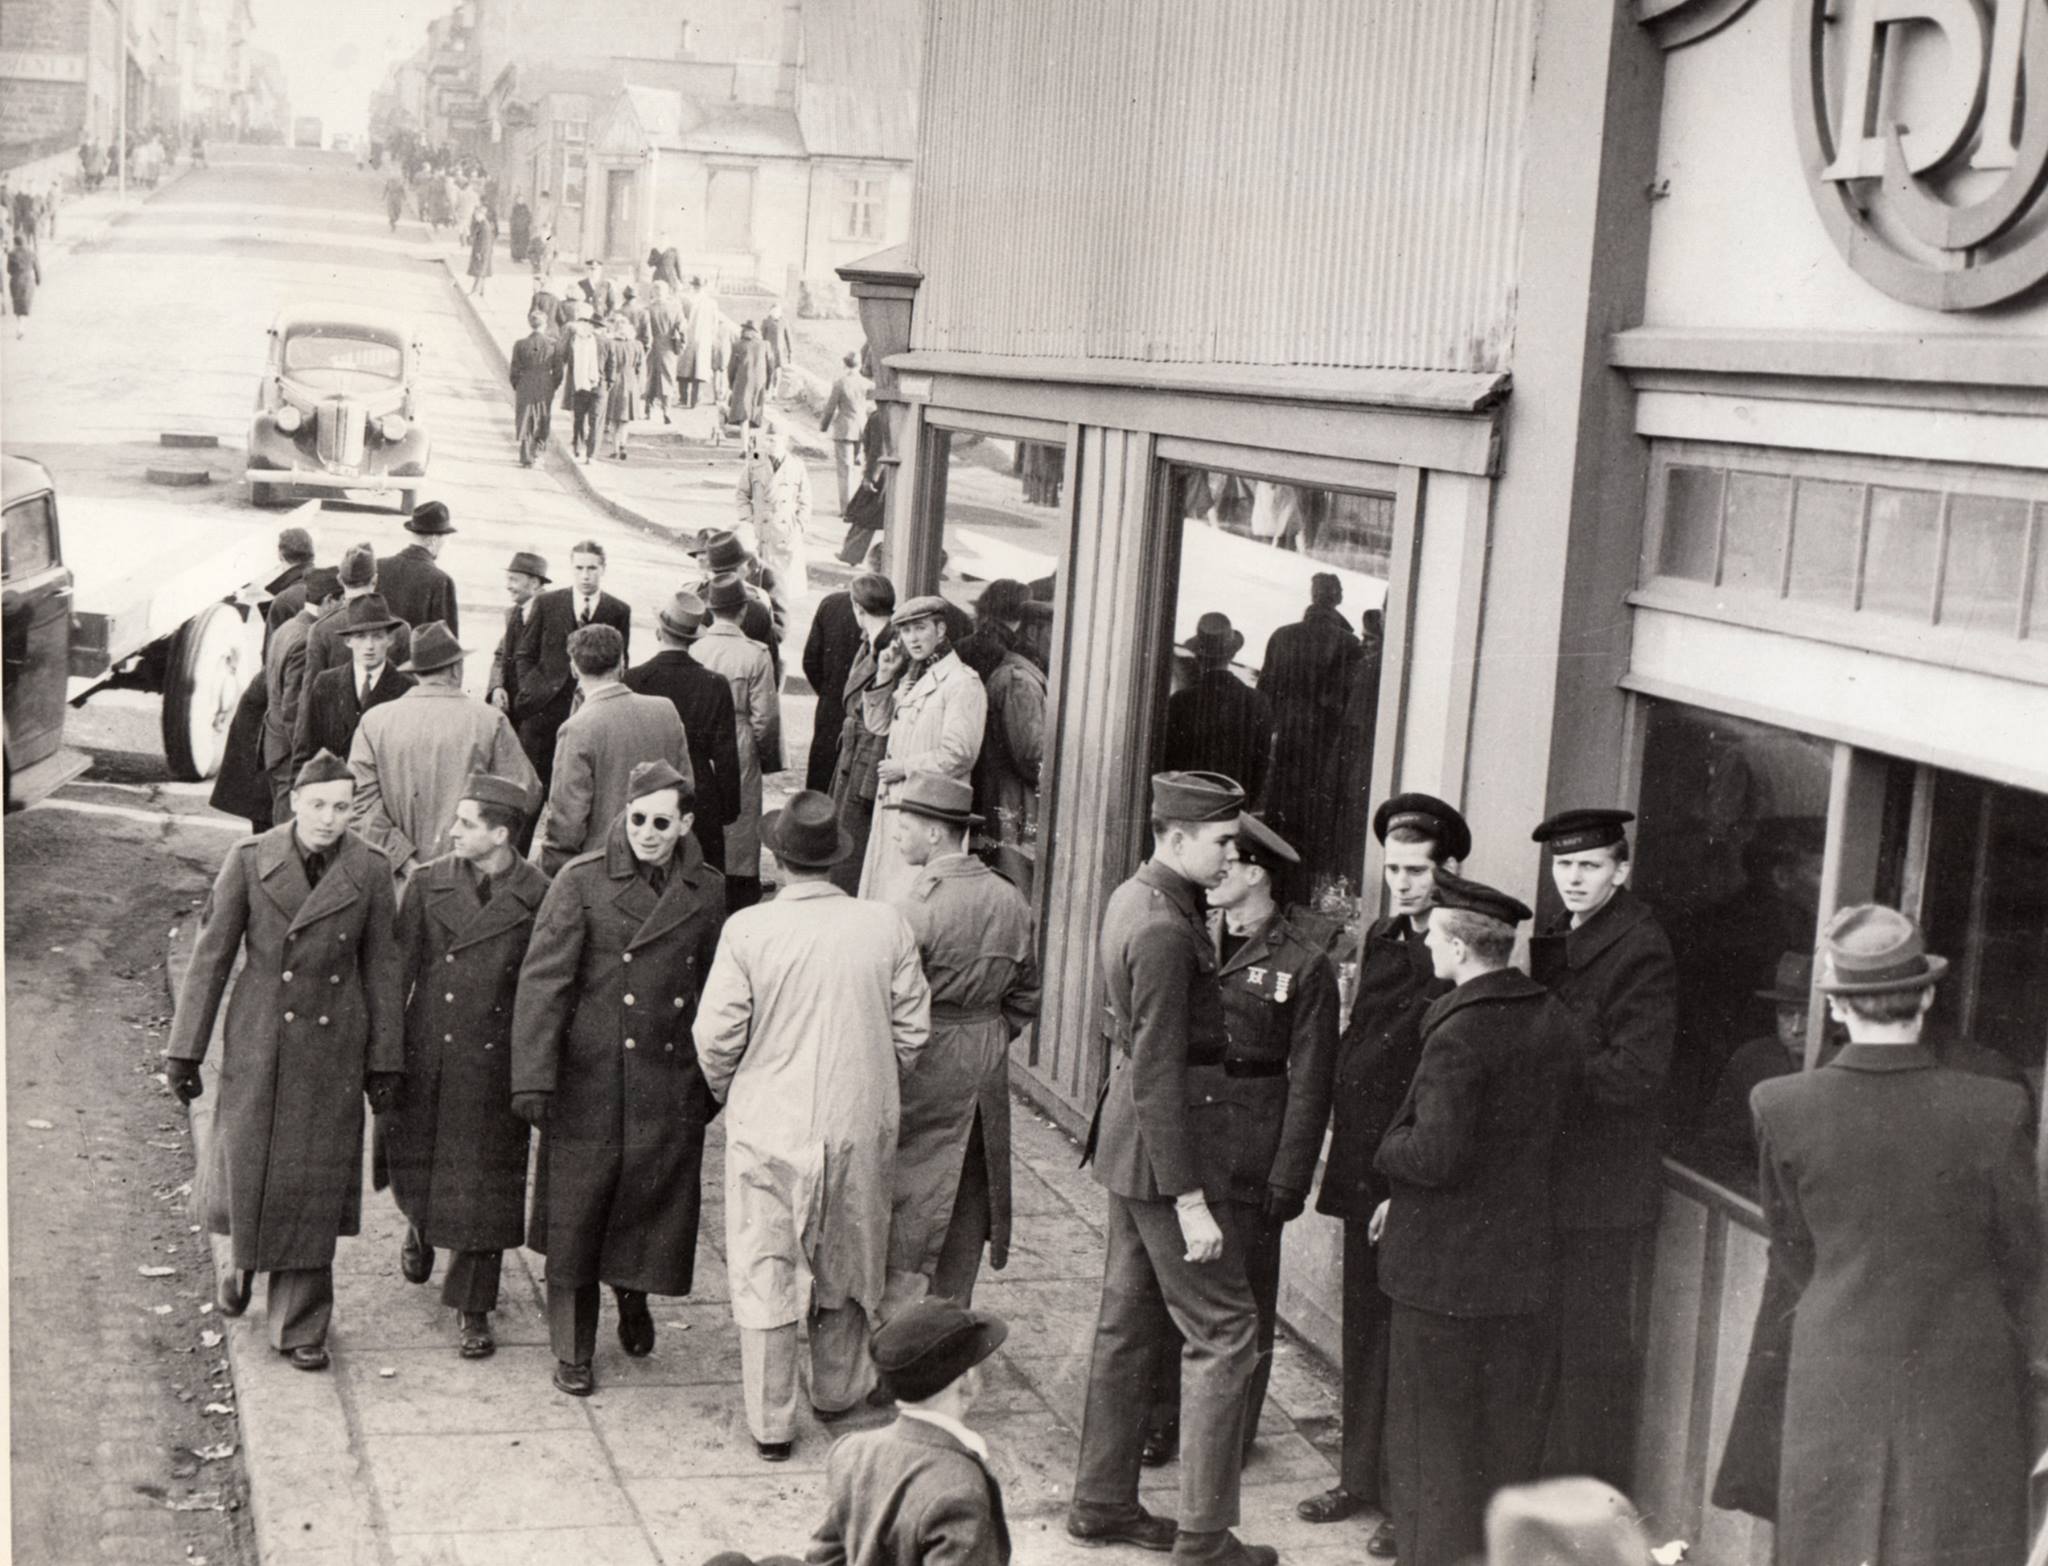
(938, 797)
(430, 519)
(1872, 950)
(487, 788)
(1260, 845)
(683, 616)
(1196, 796)
(726, 591)
(1429, 815)
(930, 1345)
(1577, 831)
(1454, 891)
(323, 767)
(925, 606)
(650, 777)
(532, 564)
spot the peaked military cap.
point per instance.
(1576, 831)
(1427, 814)
(650, 777)
(1454, 891)
(1260, 845)
(430, 519)
(487, 788)
(1198, 797)
(323, 767)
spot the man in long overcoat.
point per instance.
(316, 1024)
(1905, 1224)
(334, 701)
(701, 356)
(545, 684)
(749, 672)
(536, 371)
(457, 1153)
(610, 735)
(1307, 677)
(773, 497)
(703, 700)
(413, 584)
(815, 1011)
(834, 642)
(602, 1063)
(751, 372)
(861, 749)
(980, 958)
(1219, 723)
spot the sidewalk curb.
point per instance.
(99, 225)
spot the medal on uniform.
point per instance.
(1281, 981)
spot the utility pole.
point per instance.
(121, 65)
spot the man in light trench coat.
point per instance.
(815, 1009)
(980, 958)
(314, 1027)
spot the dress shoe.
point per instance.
(477, 1342)
(1161, 1447)
(235, 1289)
(1099, 1525)
(774, 1451)
(415, 1257)
(1332, 1505)
(636, 1323)
(310, 1357)
(576, 1380)
(1222, 1548)
(1381, 1546)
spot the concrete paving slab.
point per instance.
(686, 1432)
(695, 1344)
(1052, 1252)
(1046, 1317)
(436, 1391)
(549, 1547)
(479, 1483)
(770, 1511)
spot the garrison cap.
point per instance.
(487, 788)
(930, 1345)
(1872, 950)
(529, 562)
(1258, 844)
(927, 606)
(1455, 892)
(1576, 831)
(1197, 797)
(430, 519)
(1427, 814)
(650, 777)
(324, 767)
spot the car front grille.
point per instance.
(339, 433)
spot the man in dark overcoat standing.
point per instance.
(536, 372)
(1465, 1237)
(545, 687)
(1607, 958)
(1904, 1222)
(316, 1024)
(703, 700)
(457, 1153)
(1376, 1060)
(604, 1065)
(415, 587)
(525, 578)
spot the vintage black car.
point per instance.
(336, 408)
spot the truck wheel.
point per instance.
(203, 679)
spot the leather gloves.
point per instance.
(381, 1088)
(532, 1108)
(182, 1076)
(1282, 1205)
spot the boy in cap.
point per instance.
(921, 1489)
(316, 1026)
(415, 587)
(1465, 1235)
(1175, 1240)
(456, 1152)
(1607, 958)
(1903, 1215)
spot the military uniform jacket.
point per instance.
(1160, 1129)
(316, 1008)
(607, 994)
(1376, 1060)
(1470, 1155)
(416, 589)
(1280, 1010)
(1616, 972)
(457, 1152)
(909, 1495)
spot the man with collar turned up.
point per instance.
(1280, 1007)
(1608, 959)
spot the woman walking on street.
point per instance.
(483, 241)
(24, 272)
(624, 373)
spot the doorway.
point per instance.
(620, 229)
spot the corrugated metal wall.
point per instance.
(1316, 182)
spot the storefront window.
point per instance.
(1273, 667)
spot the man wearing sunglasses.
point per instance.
(603, 1065)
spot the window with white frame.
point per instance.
(861, 198)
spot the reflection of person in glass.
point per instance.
(1307, 676)
(1219, 723)
(1355, 739)
(1727, 1137)
(1013, 741)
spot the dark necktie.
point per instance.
(316, 866)
(657, 877)
(583, 614)
(483, 886)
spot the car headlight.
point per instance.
(392, 427)
(288, 419)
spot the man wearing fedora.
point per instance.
(602, 1065)
(524, 579)
(726, 553)
(920, 1490)
(324, 647)
(605, 739)
(749, 673)
(1219, 723)
(456, 1152)
(703, 700)
(1465, 1232)
(412, 757)
(544, 685)
(415, 587)
(1900, 1200)
(335, 701)
(1727, 1132)
(815, 1010)
(980, 957)
(1175, 1238)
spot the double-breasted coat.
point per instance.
(316, 1008)
(980, 958)
(1903, 1217)
(934, 723)
(607, 995)
(456, 1152)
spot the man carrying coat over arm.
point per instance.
(602, 1066)
(315, 1026)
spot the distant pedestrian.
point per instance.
(583, 381)
(519, 229)
(457, 1153)
(845, 415)
(545, 684)
(24, 273)
(414, 586)
(750, 371)
(483, 244)
(625, 372)
(814, 1010)
(726, 650)
(775, 338)
(701, 353)
(662, 334)
(597, 290)
(703, 700)
(602, 1064)
(540, 254)
(864, 512)
(773, 498)
(536, 371)
(394, 201)
(306, 1042)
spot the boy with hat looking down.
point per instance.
(920, 1490)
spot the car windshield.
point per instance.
(336, 361)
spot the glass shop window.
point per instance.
(1272, 672)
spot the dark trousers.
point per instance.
(741, 891)
(537, 732)
(471, 1281)
(572, 1321)
(1599, 1355)
(967, 1231)
(298, 1303)
(1262, 1274)
(583, 427)
(1362, 1467)
(1466, 1402)
(1148, 1287)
